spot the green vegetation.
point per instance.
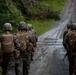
(56, 4)
(40, 25)
(40, 13)
(43, 25)
(0, 69)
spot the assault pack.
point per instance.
(7, 43)
(22, 39)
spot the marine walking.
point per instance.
(17, 50)
(69, 42)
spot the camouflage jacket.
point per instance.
(70, 41)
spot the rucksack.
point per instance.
(71, 40)
(22, 39)
(7, 43)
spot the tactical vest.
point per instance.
(7, 43)
(23, 40)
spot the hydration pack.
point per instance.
(7, 43)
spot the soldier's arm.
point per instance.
(65, 32)
(30, 40)
(65, 39)
(30, 44)
(36, 36)
(16, 43)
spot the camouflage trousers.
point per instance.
(32, 55)
(19, 66)
(8, 64)
(26, 61)
(72, 65)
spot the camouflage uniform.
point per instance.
(24, 53)
(33, 39)
(19, 66)
(8, 64)
(18, 62)
(34, 36)
(65, 32)
(70, 48)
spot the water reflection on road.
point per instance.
(49, 54)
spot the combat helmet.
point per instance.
(22, 25)
(70, 25)
(30, 26)
(7, 26)
(73, 26)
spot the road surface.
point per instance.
(49, 54)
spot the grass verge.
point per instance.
(56, 4)
(41, 25)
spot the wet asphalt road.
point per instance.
(49, 54)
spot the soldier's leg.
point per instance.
(75, 65)
(25, 67)
(19, 66)
(71, 65)
(32, 54)
(4, 63)
(29, 59)
(24, 56)
(10, 70)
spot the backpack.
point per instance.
(7, 43)
(70, 39)
(22, 39)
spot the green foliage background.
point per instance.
(40, 13)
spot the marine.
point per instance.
(23, 39)
(8, 43)
(33, 39)
(34, 35)
(69, 26)
(70, 46)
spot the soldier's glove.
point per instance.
(17, 53)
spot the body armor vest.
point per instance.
(7, 43)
